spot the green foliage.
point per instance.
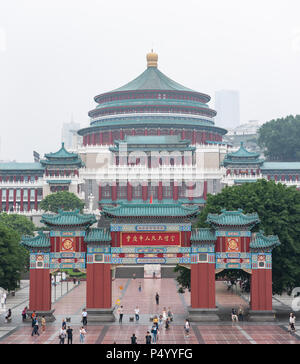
(184, 278)
(19, 223)
(278, 207)
(64, 200)
(280, 139)
(13, 257)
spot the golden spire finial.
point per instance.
(152, 59)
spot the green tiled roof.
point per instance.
(21, 166)
(264, 242)
(61, 153)
(242, 156)
(245, 180)
(233, 218)
(68, 218)
(41, 240)
(152, 79)
(199, 235)
(242, 152)
(281, 166)
(150, 210)
(98, 235)
(62, 158)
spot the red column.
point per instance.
(22, 200)
(7, 200)
(203, 285)
(158, 131)
(29, 195)
(145, 192)
(110, 137)
(261, 290)
(160, 191)
(101, 139)
(194, 137)
(40, 290)
(114, 192)
(129, 191)
(98, 286)
(94, 138)
(15, 199)
(175, 191)
(36, 199)
(146, 131)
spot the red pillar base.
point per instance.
(203, 290)
(40, 290)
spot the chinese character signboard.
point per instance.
(150, 239)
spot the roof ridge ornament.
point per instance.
(152, 59)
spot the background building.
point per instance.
(227, 105)
(69, 135)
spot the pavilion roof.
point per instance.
(232, 218)
(98, 235)
(200, 235)
(150, 210)
(41, 240)
(264, 242)
(69, 218)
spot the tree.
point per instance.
(13, 258)
(184, 278)
(64, 200)
(278, 208)
(280, 139)
(19, 223)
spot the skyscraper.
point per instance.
(69, 134)
(227, 105)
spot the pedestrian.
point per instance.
(121, 312)
(241, 313)
(164, 314)
(84, 317)
(148, 338)
(133, 276)
(43, 323)
(187, 327)
(133, 339)
(154, 333)
(82, 334)
(62, 335)
(140, 287)
(24, 313)
(137, 313)
(234, 316)
(64, 324)
(70, 335)
(157, 298)
(35, 330)
(292, 321)
(8, 316)
(4, 296)
(170, 315)
(167, 324)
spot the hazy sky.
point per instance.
(56, 55)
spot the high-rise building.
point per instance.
(227, 105)
(69, 134)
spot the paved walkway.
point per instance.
(71, 304)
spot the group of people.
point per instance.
(237, 315)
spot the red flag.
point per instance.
(151, 199)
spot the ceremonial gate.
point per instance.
(142, 234)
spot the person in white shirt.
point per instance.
(82, 334)
(137, 313)
(292, 322)
(84, 317)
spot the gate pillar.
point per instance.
(261, 287)
(40, 286)
(99, 288)
(203, 303)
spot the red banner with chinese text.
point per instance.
(151, 238)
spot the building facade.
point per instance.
(151, 139)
